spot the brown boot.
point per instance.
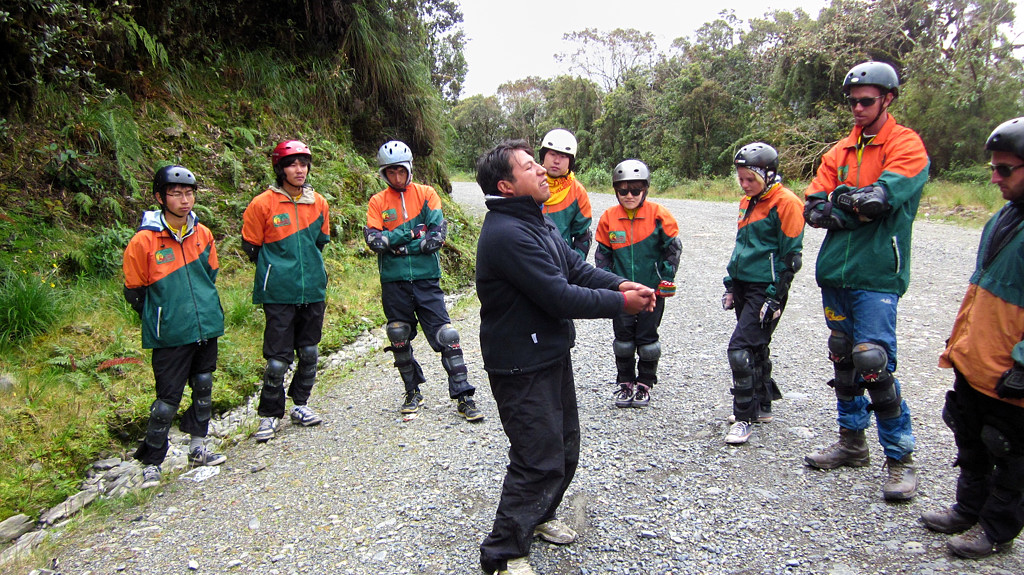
(975, 544)
(851, 450)
(902, 482)
(948, 520)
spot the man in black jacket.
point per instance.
(531, 285)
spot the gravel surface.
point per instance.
(657, 490)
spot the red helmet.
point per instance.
(289, 148)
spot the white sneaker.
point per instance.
(519, 566)
(266, 430)
(739, 433)
(305, 416)
(555, 531)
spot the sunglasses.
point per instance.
(630, 191)
(864, 102)
(1004, 170)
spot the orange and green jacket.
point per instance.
(289, 236)
(989, 328)
(872, 255)
(569, 208)
(394, 216)
(770, 229)
(643, 248)
(181, 304)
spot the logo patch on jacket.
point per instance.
(389, 215)
(281, 220)
(164, 256)
(842, 172)
(617, 237)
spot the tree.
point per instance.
(608, 58)
(478, 125)
(523, 104)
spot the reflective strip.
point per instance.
(267, 277)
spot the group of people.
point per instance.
(532, 280)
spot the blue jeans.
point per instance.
(867, 316)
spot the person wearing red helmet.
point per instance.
(170, 274)
(284, 231)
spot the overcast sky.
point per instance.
(512, 39)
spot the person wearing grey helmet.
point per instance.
(406, 229)
(865, 195)
(986, 405)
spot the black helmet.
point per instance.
(172, 175)
(1008, 137)
(872, 74)
(757, 155)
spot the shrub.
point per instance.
(29, 304)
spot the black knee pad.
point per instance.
(623, 349)
(161, 414)
(649, 351)
(741, 361)
(399, 333)
(451, 352)
(840, 350)
(202, 395)
(840, 347)
(885, 398)
(308, 356)
(273, 375)
(871, 360)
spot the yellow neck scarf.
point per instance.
(559, 188)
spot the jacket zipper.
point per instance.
(159, 319)
(896, 252)
(266, 278)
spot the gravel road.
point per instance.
(657, 492)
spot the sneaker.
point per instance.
(947, 520)
(902, 482)
(519, 566)
(202, 456)
(267, 429)
(467, 408)
(739, 433)
(413, 401)
(555, 531)
(305, 416)
(975, 544)
(642, 396)
(762, 416)
(150, 476)
(624, 396)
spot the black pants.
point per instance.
(641, 329)
(422, 302)
(289, 327)
(539, 414)
(173, 368)
(748, 334)
(990, 485)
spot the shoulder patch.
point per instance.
(842, 172)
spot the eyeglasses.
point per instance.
(1004, 170)
(632, 190)
(864, 102)
(179, 195)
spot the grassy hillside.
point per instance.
(75, 179)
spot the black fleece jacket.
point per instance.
(531, 285)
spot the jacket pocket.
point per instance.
(896, 253)
(266, 278)
(159, 320)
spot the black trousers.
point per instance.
(173, 368)
(539, 414)
(990, 486)
(748, 334)
(641, 329)
(289, 327)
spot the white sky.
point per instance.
(512, 39)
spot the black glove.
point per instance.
(771, 309)
(418, 230)
(1011, 385)
(868, 202)
(818, 214)
(402, 250)
(376, 240)
(252, 251)
(728, 301)
(136, 297)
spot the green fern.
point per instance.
(84, 203)
(138, 35)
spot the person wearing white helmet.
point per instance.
(865, 195)
(638, 240)
(406, 229)
(986, 405)
(569, 205)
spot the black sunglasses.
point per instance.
(1004, 170)
(630, 191)
(864, 102)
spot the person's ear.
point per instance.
(506, 188)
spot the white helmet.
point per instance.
(559, 141)
(395, 153)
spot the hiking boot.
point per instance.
(947, 520)
(150, 476)
(518, 566)
(305, 416)
(201, 456)
(467, 408)
(555, 531)
(641, 395)
(267, 429)
(413, 401)
(624, 396)
(975, 544)
(902, 482)
(851, 450)
(739, 433)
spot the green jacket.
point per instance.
(412, 227)
(769, 230)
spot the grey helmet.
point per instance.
(761, 157)
(631, 171)
(395, 153)
(872, 74)
(1008, 137)
(168, 175)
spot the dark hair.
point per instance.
(495, 165)
(287, 161)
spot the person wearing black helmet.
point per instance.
(769, 242)
(170, 273)
(986, 351)
(284, 231)
(865, 194)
